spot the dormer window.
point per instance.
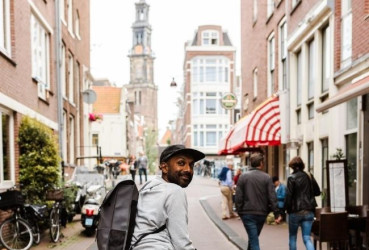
(210, 37)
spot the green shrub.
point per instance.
(38, 161)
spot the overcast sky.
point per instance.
(173, 23)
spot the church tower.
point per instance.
(141, 87)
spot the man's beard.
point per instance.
(182, 179)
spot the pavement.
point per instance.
(272, 237)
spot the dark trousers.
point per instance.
(133, 174)
(142, 171)
(253, 224)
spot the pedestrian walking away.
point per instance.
(142, 166)
(255, 197)
(226, 188)
(133, 165)
(162, 204)
(300, 202)
(280, 190)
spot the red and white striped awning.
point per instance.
(260, 128)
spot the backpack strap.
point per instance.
(145, 234)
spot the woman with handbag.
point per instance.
(300, 202)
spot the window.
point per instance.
(77, 23)
(6, 145)
(310, 146)
(346, 33)
(64, 146)
(71, 78)
(351, 156)
(310, 108)
(40, 56)
(299, 77)
(95, 140)
(138, 97)
(311, 70)
(70, 15)
(255, 10)
(210, 70)
(5, 26)
(325, 151)
(326, 63)
(283, 53)
(298, 115)
(271, 66)
(255, 82)
(351, 114)
(62, 9)
(71, 140)
(210, 37)
(270, 7)
(207, 103)
(62, 71)
(208, 135)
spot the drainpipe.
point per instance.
(58, 83)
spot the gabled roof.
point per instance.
(108, 99)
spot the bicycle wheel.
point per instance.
(54, 224)
(16, 234)
(36, 233)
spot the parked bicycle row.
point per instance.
(25, 222)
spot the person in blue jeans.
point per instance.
(300, 202)
(280, 190)
(255, 198)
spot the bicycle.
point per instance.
(56, 195)
(15, 231)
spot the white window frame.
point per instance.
(64, 146)
(62, 10)
(219, 65)
(210, 37)
(7, 183)
(283, 55)
(346, 33)
(326, 58)
(270, 7)
(200, 134)
(255, 11)
(71, 78)
(70, 16)
(299, 77)
(255, 83)
(311, 62)
(271, 64)
(5, 46)
(77, 25)
(40, 53)
(63, 72)
(72, 136)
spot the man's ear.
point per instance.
(164, 167)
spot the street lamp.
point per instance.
(173, 83)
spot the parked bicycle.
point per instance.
(56, 195)
(15, 231)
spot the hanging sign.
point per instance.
(228, 101)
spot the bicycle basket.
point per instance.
(55, 195)
(10, 199)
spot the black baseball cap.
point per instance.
(173, 150)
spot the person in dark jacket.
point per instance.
(300, 202)
(255, 198)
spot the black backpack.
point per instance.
(117, 218)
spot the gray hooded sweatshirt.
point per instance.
(160, 203)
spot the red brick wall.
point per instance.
(254, 48)
(360, 31)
